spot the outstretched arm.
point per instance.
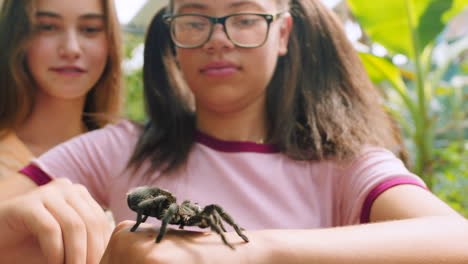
(56, 223)
(410, 225)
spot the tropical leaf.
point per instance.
(397, 24)
(380, 69)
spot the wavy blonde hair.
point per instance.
(17, 89)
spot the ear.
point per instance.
(285, 30)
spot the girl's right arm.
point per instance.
(64, 218)
(56, 223)
(61, 221)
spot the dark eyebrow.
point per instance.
(47, 14)
(55, 15)
(245, 3)
(92, 16)
(233, 5)
(192, 5)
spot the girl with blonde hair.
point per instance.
(60, 75)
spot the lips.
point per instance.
(68, 70)
(220, 69)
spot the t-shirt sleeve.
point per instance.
(360, 183)
(92, 159)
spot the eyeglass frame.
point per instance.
(269, 18)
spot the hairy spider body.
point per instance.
(151, 201)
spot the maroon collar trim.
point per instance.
(234, 146)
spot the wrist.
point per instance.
(264, 248)
(287, 246)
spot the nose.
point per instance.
(219, 40)
(70, 47)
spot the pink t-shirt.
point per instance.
(258, 186)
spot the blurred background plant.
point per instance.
(134, 36)
(133, 70)
(416, 52)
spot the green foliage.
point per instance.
(464, 67)
(451, 172)
(398, 24)
(134, 108)
(410, 27)
(432, 112)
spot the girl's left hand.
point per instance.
(177, 246)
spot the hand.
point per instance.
(60, 220)
(177, 246)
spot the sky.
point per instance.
(126, 9)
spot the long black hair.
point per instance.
(320, 101)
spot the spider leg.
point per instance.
(226, 217)
(168, 216)
(144, 218)
(217, 220)
(215, 228)
(138, 222)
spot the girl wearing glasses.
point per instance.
(57, 73)
(262, 107)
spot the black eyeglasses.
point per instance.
(245, 30)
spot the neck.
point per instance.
(248, 124)
(52, 122)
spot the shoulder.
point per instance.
(123, 127)
(103, 143)
(369, 156)
(370, 167)
(121, 133)
(363, 178)
(98, 153)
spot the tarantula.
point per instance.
(151, 201)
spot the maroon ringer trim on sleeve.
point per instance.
(382, 187)
(36, 174)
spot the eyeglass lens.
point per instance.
(242, 29)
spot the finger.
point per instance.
(103, 221)
(74, 233)
(42, 225)
(98, 227)
(96, 222)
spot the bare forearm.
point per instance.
(424, 240)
